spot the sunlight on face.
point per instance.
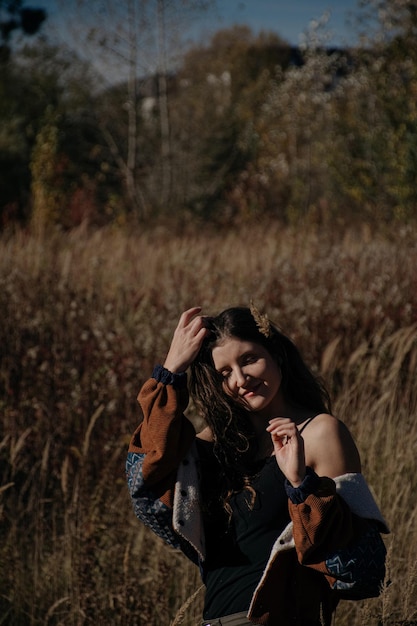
(249, 374)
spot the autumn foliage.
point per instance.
(240, 127)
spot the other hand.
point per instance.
(289, 449)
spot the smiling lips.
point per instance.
(248, 393)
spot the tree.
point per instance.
(296, 131)
(377, 117)
(137, 44)
(221, 88)
(14, 16)
(47, 108)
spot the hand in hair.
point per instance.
(186, 342)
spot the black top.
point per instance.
(237, 551)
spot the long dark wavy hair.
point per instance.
(235, 445)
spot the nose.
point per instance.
(240, 377)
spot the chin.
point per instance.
(258, 406)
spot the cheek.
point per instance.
(276, 379)
(223, 382)
(226, 389)
(233, 395)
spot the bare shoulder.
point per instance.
(329, 447)
(325, 424)
(205, 434)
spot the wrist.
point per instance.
(296, 483)
(299, 493)
(163, 375)
(174, 368)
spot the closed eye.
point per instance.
(249, 358)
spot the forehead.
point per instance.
(232, 349)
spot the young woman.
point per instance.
(269, 494)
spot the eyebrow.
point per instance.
(223, 369)
(247, 353)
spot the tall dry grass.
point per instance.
(84, 318)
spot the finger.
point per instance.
(202, 333)
(283, 439)
(280, 442)
(282, 420)
(195, 339)
(196, 324)
(187, 315)
(282, 428)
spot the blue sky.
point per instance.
(289, 19)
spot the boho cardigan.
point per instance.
(328, 516)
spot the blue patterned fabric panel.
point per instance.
(359, 569)
(150, 510)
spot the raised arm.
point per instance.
(186, 342)
(163, 438)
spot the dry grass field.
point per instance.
(84, 317)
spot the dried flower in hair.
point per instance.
(262, 321)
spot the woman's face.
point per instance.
(250, 374)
